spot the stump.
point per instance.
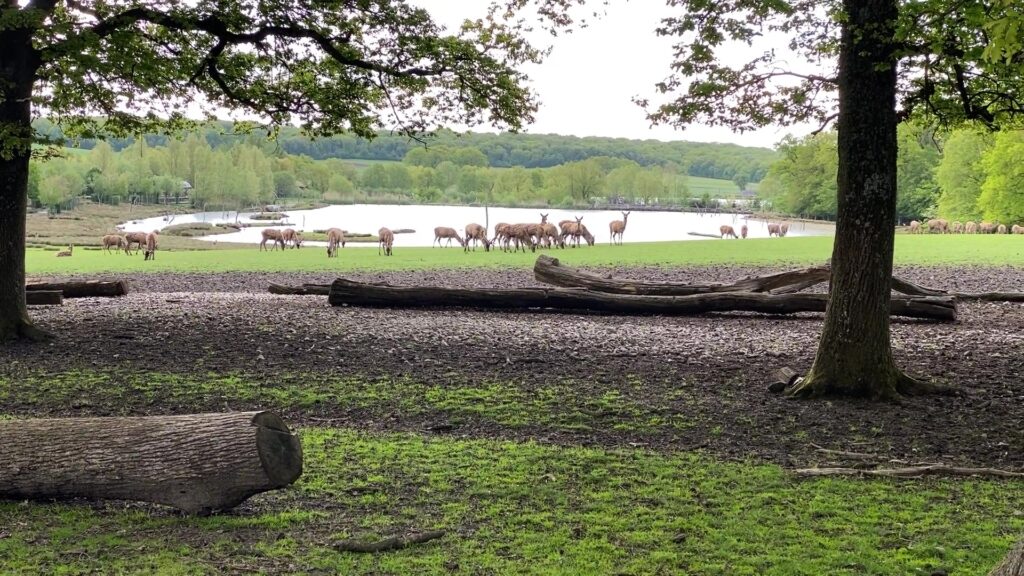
(199, 463)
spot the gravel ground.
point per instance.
(713, 368)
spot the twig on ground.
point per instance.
(910, 472)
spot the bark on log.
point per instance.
(349, 293)
(199, 463)
(44, 298)
(1013, 564)
(83, 288)
(304, 290)
(551, 271)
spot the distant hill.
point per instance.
(719, 161)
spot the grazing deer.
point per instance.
(387, 239)
(290, 236)
(444, 232)
(150, 253)
(586, 235)
(1017, 229)
(773, 230)
(783, 230)
(915, 227)
(64, 253)
(476, 233)
(987, 228)
(938, 224)
(271, 234)
(134, 238)
(114, 240)
(550, 235)
(726, 230)
(501, 234)
(617, 227)
(573, 229)
(743, 231)
(520, 234)
(958, 227)
(1001, 229)
(335, 236)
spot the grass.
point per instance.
(986, 250)
(525, 508)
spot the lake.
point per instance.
(647, 226)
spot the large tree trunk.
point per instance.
(18, 64)
(854, 354)
(199, 463)
(1013, 564)
(349, 293)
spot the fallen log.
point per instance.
(304, 290)
(715, 236)
(199, 463)
(348, 293)
(551, 271)
(82, 288)
(44, 298)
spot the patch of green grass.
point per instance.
(910, 249)
(512, 508)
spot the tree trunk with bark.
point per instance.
(18, 64)
(854, 354)
(199, 463)
(349, 293)
(83, 288)
(1013, 564)
(44, 298)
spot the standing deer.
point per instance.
(520, 234)
(150, 253)
(958, 227)
(134, 238)
(290, 236)
(66, 253)
(1017, 229)
(773, 230)
(783, 230)
(116, 241)
(915, 227)
(476, 233)
(1001, 229)
(938, 224)
(971, 228)
(335, 236)
(743, 231)
(444, 232)
(271, 234)
(387, 239)
(726, 230)
(501, 235)
(570, 228)
(617, 227)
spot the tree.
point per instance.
(944, 61)
(334, 67)
(1002, 194)
(959, 174)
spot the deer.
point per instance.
(971, 228)
(444, 232)
(150, 253)
(501, 234)
(617, 227)
(520, 233)
(570, 228)
(773, 230)
(134, 238)
(476, 233)
(386, 240)
(726, 230)
(586, 235)
(271, 234)
(938, 224)
(743, 231)
(116, 241)
(335, 236)
(1001, 229)
(66, 253)
(783, 230)
(915, 227)
(958, 227)
(1017, 229)
(289, 235)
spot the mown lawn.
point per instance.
(986, 250)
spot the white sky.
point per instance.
(587, 84)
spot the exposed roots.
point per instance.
(23, 330)
(888, 388)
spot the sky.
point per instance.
(587, 84)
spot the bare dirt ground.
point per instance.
(712, 369)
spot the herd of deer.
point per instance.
(941, 226)
(142, 240)
(779, 230)
(515, 236)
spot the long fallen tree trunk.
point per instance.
(200, 463)
(44, 298)
(551, 271)
(349, 293)
(82, 288)
(304, 290)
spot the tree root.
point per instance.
(393, 543)
(910, 472)
(23, 330)
(810, 386)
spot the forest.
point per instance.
(968, 174)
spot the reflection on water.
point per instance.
(368, 218)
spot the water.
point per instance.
(368, 218)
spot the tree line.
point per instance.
(966, 174)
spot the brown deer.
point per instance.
(1001, 229)
(617, 227)
(446, 233)
(66, 253)
(958, 227)
(501, 235)
(726, 230)
(150, 253)
(915, 227)
(938, 224)
(987, 228)
(134, 238)
(573, 229)
(387, 239)
(476, 233)
(586, 235)
(971, 228)
(335, 236)
(783, 230)
(550, 235)
(290, 236)
(1017, 229)
(773, 230)
(115, 241)
(743, 231)
(520, 234)
(271, 234)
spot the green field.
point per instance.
(917, 249)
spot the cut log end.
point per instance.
(280, 451)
